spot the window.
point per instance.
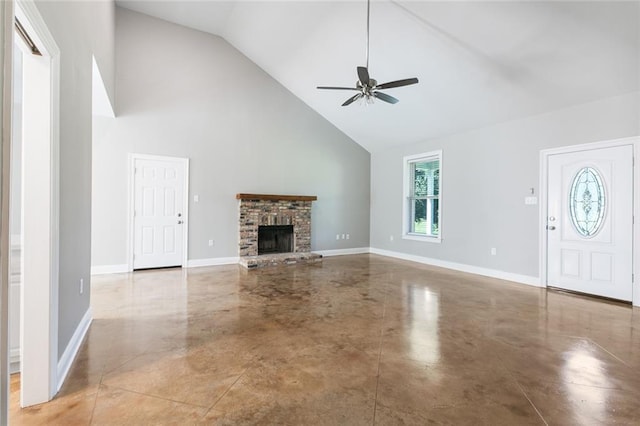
(422, 196)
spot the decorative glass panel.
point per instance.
(587, 201)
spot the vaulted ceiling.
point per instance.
(479, 63)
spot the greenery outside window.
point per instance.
(422, 196)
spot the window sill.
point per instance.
(423, 238)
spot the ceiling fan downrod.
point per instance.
(367, 87)
(368, 18)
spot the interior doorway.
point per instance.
(588, 210)
(35, 162)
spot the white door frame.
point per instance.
(39, 310)
(131, 206)
(544, 169)
(6, 60)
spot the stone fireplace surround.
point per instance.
(266, 210)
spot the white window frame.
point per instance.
(406, 192)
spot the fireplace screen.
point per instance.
(275, 239)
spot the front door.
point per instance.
(158, 212)
(590, 221)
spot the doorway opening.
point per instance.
(33, 207)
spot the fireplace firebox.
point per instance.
(275, 239)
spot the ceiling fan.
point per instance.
(367, 87)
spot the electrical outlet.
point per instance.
(81, 285)
(196, 198)
(211, 242)
(347, 236)
(390, 237)
(343, 236)
(493, 251)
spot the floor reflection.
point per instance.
(424, 310)
(585, 379)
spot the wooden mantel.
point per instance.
(271, 197)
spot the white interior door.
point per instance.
(159, 212)
(590, 221)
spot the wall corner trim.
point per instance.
(487, 272)
(66, 360)
(342, 252)
(214, 261)
(109, 269)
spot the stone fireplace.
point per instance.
(275, 230)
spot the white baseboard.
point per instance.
(14, 360)
(16, 241)
(66, 360)
(493, 273)
(214, 261)
(342, 252)
(109, 269)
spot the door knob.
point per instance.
(551, 227)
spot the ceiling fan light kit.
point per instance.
(368, 89)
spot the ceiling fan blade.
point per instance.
(336, 88)
(385, 97)
(363, 76)
(397, 83)
(352, 99)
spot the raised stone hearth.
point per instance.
(279, 259)
(261, 210)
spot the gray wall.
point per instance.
(486, 175)
(185, 93)
(75, 26)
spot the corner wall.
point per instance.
(76, 26)
(185, 93)
(486, 174)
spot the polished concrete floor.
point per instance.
(355, 340)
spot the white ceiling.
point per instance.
(478, 62)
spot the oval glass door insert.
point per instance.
(587, 202)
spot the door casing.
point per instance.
(544, 169)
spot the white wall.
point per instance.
(76, 27)
(16, 149)
(185, 93)
(486, 175)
